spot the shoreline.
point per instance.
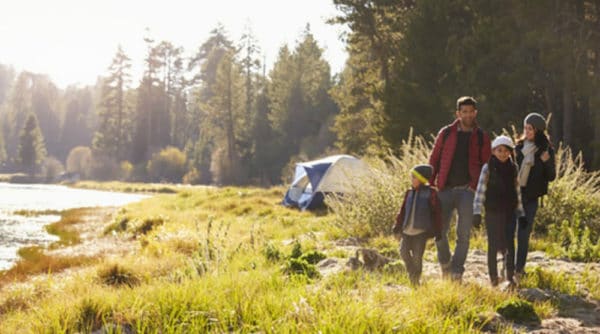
(80, 233)
(73, 231)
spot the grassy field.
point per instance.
(207, 259)
(218, 260)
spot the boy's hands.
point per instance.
(477, 221)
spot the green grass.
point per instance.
(34, 261)
(214, 260)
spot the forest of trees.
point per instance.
(219, 117)
(214, 118)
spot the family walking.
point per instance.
(471, 175)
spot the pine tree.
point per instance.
(204, 67)
(112, 137)
(226, 112)
(152, 122)
(32, 149)
(301, 108)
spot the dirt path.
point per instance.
(576, 313)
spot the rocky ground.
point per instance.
(576, 313)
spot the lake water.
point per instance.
(18, 231)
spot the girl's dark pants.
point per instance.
(412, 248)
(496, 223)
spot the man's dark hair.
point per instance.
(466, 101)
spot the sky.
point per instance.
(74, 41)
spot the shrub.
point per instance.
(192, 177)
(89, 317)
(167, 165)
(149, 224)
(80, 161)
(296, 250)
(370, 208)
(575, 241)
(549, 280)
(518, 311)
(116, 275)
(118, 224)
(575, 191)
(125, 170)
(272, 253)
(301, 267)
(313, 257)
(51, 168)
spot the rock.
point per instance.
(536, 256)
(491, 321)
(352, 241)
(561, 325)
(354, 263)
(327, 263)
(115, 328)
(571, 301)
(330, 266)
(535, 295)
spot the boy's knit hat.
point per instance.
(536, 120)
(422, 172)
(503, 140)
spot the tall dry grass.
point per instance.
(371, 207)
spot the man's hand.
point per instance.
(477, 221)
(398, 236)
(523, 222)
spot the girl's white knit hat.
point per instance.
(503, 140)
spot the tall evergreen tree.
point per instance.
(17, 109)
(152, 122)
(32, 149)
(112, 138)
(226, 112)
(203, 67)
(302, 110)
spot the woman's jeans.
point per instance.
(524, 233)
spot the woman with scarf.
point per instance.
(535, 158)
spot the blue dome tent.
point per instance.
(313, 179)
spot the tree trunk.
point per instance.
(555, 123)
(230, 128)
(568, 112)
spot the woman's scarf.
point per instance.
(528, 151)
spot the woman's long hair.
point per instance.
(541, 139)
